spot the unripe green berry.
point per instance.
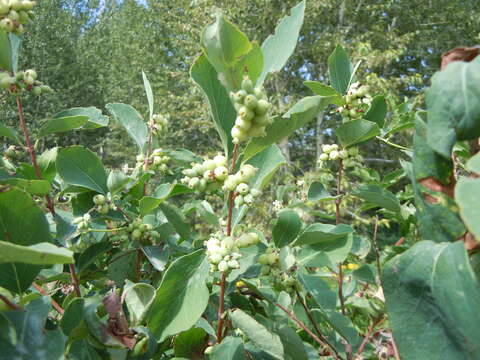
(248, 199)
(255, 192)
(103, 209)
(6, 25)
(251, 101)
(99, 199)
(323, 157)
(37, 90)
(215, 258)
(140, 158)
(13, 15)
(189, 172)
(157, 160)
(209, 164)
(221, 173)
(208, 350)
(247, 171)
(247, 84)
(265, 270)
(136, 234)
(259, 93)
(262, 107)
(238, 135)
(233, 264)
(343, 154)
(239, 96)
(220, 160)
(243, 124)
(334, 155)
(31, 73)
(262, 120)
(272, 258)
(243, 188)
(193, 183)
(246, 113)
(263, 259)
(137, 222)
(230, 183)
(222, 266)
(4, 8)
(257, 131)
(199, 169)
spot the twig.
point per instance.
(393, 144)
(377, 250)
(54, 303)
(314, 324)
(138, 266)
(221, 307)
(367, 337)
(31, 151)
(73, 276)
(38, 174)
(395, 349)
(338, 220)
(10, 304)
(304, 327)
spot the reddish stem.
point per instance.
(31, 151)
(54, 303)
(231, 195)
(38, 173)
(10, 304)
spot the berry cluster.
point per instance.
(82, 222)
(156, 161)
(252, 112)
(357, 102)
(281, 281)
(223, 253)
(207, 176)
(239, 182)
(141, 232)
(14, 14)
(13, 152)
(102, 206)
(160, 123)
(23, 81)
(331, 152)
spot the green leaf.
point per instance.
(62, 124)
(38, 254)
(286, 228)
(95, 117)
(356, 132)
(138, 298)
(231, 348)
(340, 69)
(116, 181)
(325, 297)
(258, 334)
(73, 316)
(38, 187)
(157, 256)
(279, 47)
(221, 108)
(434, 287)
(132, 121)
(79, 166)
(190, 343)
(5, 52)
(148, 204)
(319, 233)
(300, 114)
(317, 192)
(323, 90)
(378, 111)
(124, 268)
(182, 296)
(204, 209)
(9, 133)
(379, 196)
(176, 218)
(22, 223)
(251, 63)
(467, 197)
(327, 253)
(268, 161)
(34, 341)
(473, 164)
(292, 344)
(453, 104)
(148, 91)
(15, 44)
